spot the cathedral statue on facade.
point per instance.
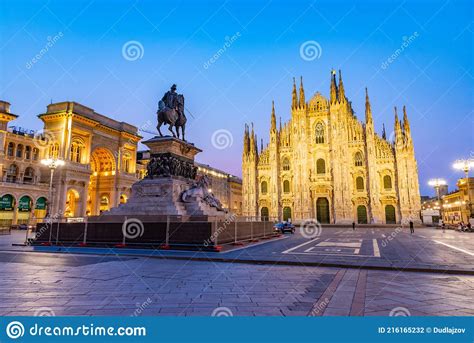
(326, 164)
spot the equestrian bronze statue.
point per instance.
(171, 112)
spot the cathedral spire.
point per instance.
(246, 140)
(333, 90)
(397, 128)
(342, 94)
(368, 110)
(406, 124)
(294, 102)
(273, 118)
(280, 125)
(261, 144)
(302, 97)
(384, 134)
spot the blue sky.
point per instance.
(432, 76)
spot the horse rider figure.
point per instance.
(171, 111)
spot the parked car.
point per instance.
(283, 227)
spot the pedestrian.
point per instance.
(444, 226)
(412, 230)
(353, 226)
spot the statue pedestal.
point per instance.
(172, 146)
(170, 172)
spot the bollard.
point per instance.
(85, 233)
(251, 230)
(57, 232)
(167, 239)
(264, 228)
(216, 233)
(235, 231)
(123, 232)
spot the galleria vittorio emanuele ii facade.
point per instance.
(326, 164)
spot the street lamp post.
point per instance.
(437, 183)
(52, 164)
(465, 165)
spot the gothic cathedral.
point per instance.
(325, 164)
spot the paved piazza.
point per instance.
(35, 283)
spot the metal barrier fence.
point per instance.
(152, 231)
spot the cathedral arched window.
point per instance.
(387, 182)
(286, 164)
(319, 133)
(358, 161)
(264, 187)
(320, 166)
(360, 183)
(286, 186)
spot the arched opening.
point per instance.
(286, 213)
(360, 183)
(320, 166)
(40, 208)
(286, 186)
(29, 175)
(358, 160)
(103, 168)
(264, 213)
(322, 210)
(7, 204)
(264, 187)
(319, 132)
(286, 164)
(361, 214)
(25, 205)
(387, 182)
(72, 203)
(390, 217)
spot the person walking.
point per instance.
(443, 225)
(353, 226)
(412, 230)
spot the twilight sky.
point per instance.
(230, 59)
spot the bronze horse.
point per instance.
(174, 117)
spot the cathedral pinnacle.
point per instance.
(342, 95)
(368, 110)
(294, 102)
(273, 118)
(302, 97)
(333, 90)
